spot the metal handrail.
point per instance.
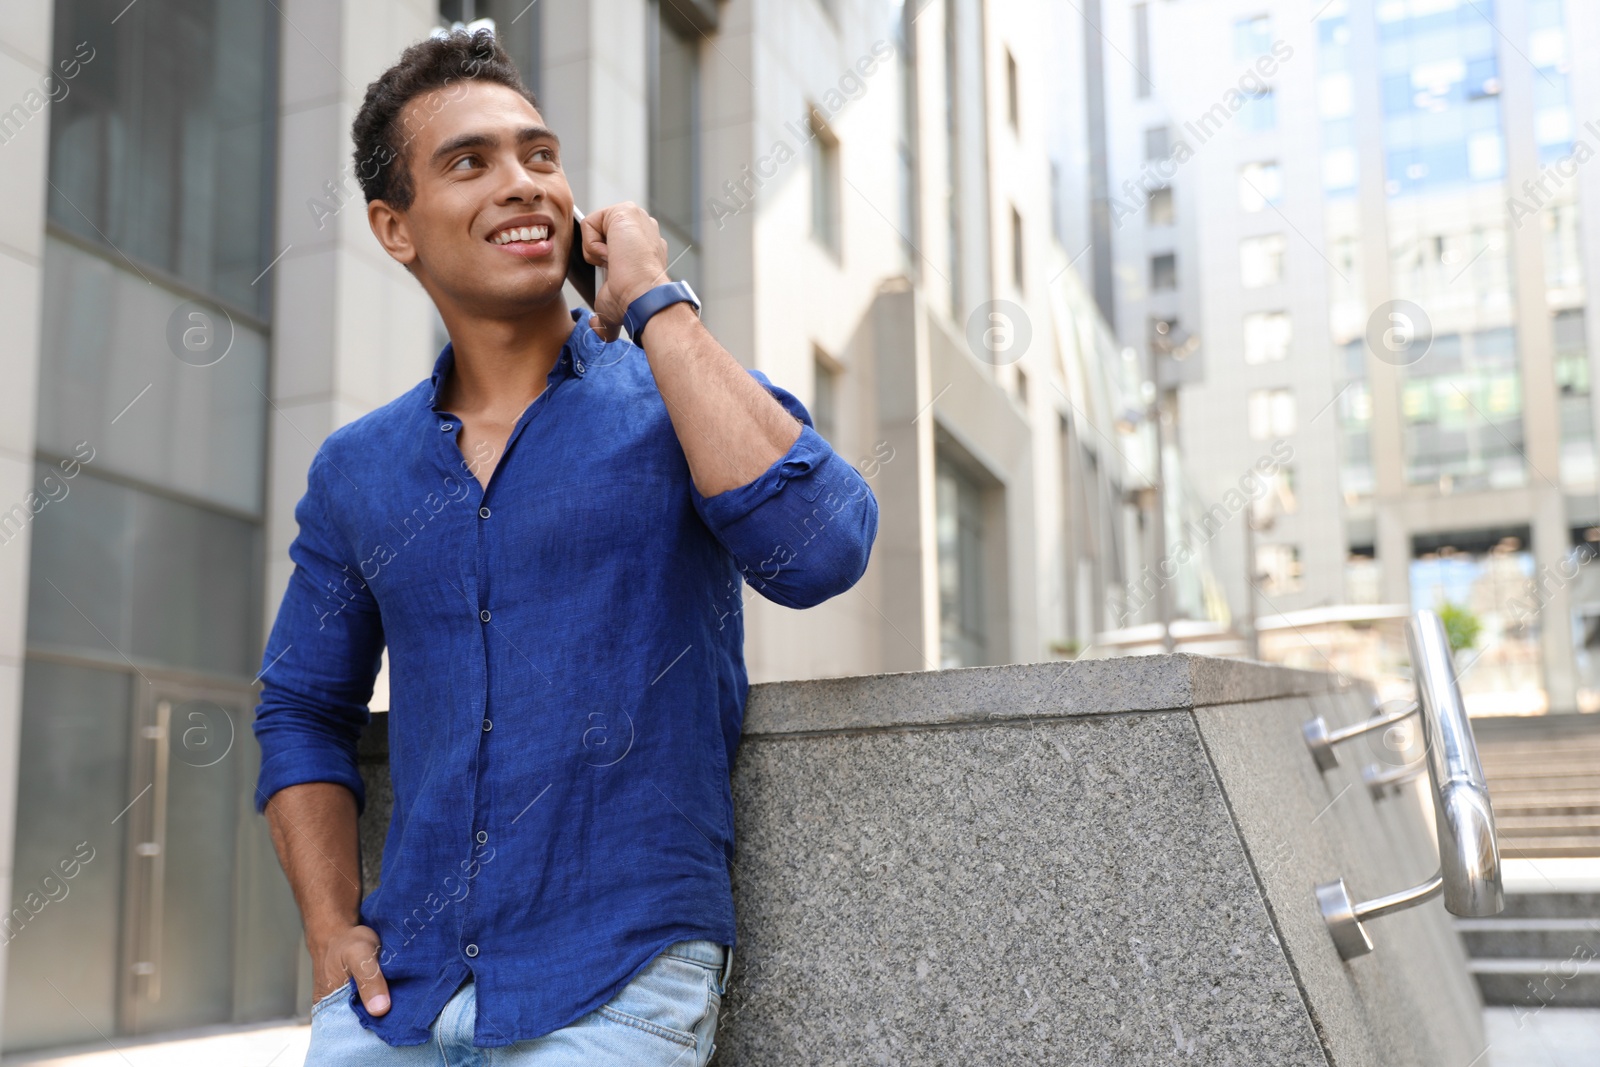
(1469, 857)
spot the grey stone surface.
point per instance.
(1097, 863)
(372, 758)
(1089, 687)
(1411, 1002)
(1067, 891)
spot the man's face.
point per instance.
(490, 224)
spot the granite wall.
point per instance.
(1107, 862)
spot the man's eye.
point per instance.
(468, 160)
(542, 155)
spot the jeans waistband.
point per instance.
(707, 952)
(699, 950)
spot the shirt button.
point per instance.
(483, 513)
(483, 835)
(487, 726)
(484, 614)
(447, 426)
(472, 950)
(577, 365)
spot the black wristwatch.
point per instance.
(662, 296)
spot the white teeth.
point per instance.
(524, 233)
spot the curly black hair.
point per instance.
(380, 144)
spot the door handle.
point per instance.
(147, 965)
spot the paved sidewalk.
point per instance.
(281, 1044)
(1555, 1037)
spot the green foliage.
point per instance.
(1461, 626)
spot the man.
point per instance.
(561, 611)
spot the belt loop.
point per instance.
(727, 969)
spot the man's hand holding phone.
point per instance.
(626, 241)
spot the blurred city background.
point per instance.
(1235, 327)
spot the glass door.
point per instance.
(178, 916)
(147, 896)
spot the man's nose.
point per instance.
(518, 184)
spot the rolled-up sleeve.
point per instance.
(802, 531)
(321, 660)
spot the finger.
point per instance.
(594, 238)
(607, 333)
(370, 984)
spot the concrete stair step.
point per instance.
(1530, 825)
(1552, 848)
(1564, 906)
(1547, 939)
(1578, 783)
(1532, 983)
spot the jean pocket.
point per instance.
(330, 998)
(672, 997)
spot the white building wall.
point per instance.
(351, 330)
(25, 63)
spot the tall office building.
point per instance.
(859, 190)
(1368, 217)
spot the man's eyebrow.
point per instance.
(465, 140)
(486, 140)
(537, 133)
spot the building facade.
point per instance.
(1368, 223)
(860, 191)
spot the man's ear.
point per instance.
(390, 228)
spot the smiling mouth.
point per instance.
(521, 234)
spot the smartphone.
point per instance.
(584, 276)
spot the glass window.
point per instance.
(1018, 267)
(1260, 184)
(76, 729)
(1159, 209)
(1284, 486)
(1278, 568)
(1271, 413)
(824, 185)
(162, 152)
(1333, 37)
(164, 389)
(1157, 142)
(1261, 261)
(1164, 271)
(1574, 385)
(962, 590)
(117, 571)
(824, 397)
(1252, 36)
(1260, 111)
(1267, 336)
(1013, 107)
(1356, 478)
(674, 141)
(515, 24)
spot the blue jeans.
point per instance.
(665, 1017)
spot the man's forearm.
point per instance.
(314, 829)
(731, 429)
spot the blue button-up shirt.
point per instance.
(567, 678)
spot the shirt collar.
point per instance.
(576, 354)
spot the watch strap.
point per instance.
(655, 300)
